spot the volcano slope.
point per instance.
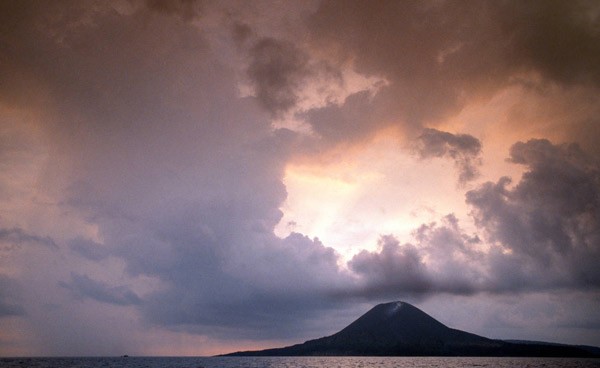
(400, 329)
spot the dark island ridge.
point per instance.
(401, 329)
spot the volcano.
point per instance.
(400, 329)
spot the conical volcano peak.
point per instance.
(398, 309)
(398, 319)
(394, 308)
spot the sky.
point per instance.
(200, 177)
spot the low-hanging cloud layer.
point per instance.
(144, 150)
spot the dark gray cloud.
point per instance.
(427, 80)
(229, 280)
(18, 236)
(359, 116)
(394, 268)
(555, 38)
(443, 259)
(85, 287)
(9, 292)
(277, 70)
(464, 149)
(548, 221)
(186, 9)
(439, 56)
(10, 309)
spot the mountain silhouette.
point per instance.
(400, 329)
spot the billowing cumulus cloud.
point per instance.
(548, 220)
(395, 267)
(542, 234)
(443, 259)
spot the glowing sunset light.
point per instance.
(349, 197)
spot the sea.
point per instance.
(297, 362)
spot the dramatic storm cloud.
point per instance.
(443, 260)
(196, 177)
(277, 69)
(543, 234)
(548, 222)
(463, 148)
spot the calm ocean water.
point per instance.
(301, 362)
